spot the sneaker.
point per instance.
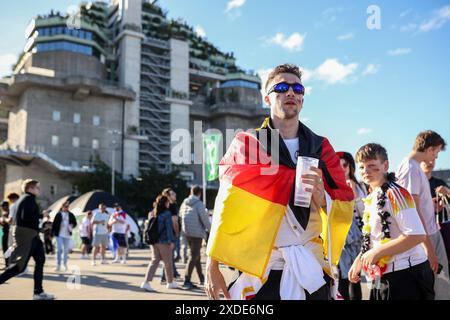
(104, 262)
(172, 285)
(147, 287)
(93, 263)
(189, 285)
(123, 261)
(58, 269)
(114, 261)
(66, 268)
(43, 296)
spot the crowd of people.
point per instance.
(395, 240)
(35, 235)
(392, 238)
(169, 231)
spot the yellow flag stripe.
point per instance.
(247, 226)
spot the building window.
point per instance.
(55, 140)
(56, 116)
(75, 142)
(53, 189)
(76, 118)
(94, 144)
(96, 120)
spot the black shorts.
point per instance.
(414, 283)
(120, 238)
(86, 241)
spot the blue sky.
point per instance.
(364, 85)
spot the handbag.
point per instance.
(445, 224)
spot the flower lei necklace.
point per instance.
(386, 235)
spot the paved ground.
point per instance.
(101, 282)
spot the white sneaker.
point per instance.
(123, 261)
(65, 268)
(58, 269)
(147, 287)
(172, 285)
(115, 261)
(93, 263)
(43, 296)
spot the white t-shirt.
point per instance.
(411, 177)
(65, 228)
(119, 227)
(404, 220)
(101, 228)
(292, 145)
(84, 227)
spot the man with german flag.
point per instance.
(281, 250)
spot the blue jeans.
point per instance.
(62, 247)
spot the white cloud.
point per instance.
(308, 90)
(408, 27)
(371, 69)
(399, 51)
(437, 21)
(200, 31)
(6, 61)
(294, 42)
(346, 36)
(364, 131)
(332, 71)
(405, 13)
(234, 4)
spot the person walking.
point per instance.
(172, 196)
(194, 223)
(5, 222)
(85, 231)
(100, 239)
(46, 230)
(391, 256)
(63, 225)
(26, 241)
(119, 226)
(427, 146)
(163, 248)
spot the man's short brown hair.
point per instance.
(427, 139)
(29, 183)
(371, 151)
(283, 68)
(196, 190)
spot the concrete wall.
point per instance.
(15, 175)
(39, 105)
(130, 75)
(66, 63)
(17, 125)
(179, 81)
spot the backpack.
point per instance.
(151, 231)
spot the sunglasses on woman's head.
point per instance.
(283, 87)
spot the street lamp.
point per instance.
(113, 162)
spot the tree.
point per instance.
(138, 193)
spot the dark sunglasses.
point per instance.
(283, 87)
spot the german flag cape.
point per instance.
(253, 198)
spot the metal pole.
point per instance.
(203, 171)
